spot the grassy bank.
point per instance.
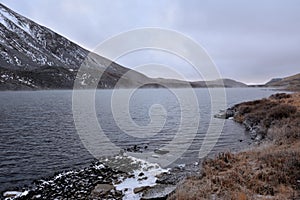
(270, 170)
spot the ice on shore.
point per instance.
(143, 175)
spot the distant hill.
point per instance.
(228, 83)
(273, 80)
(290, 82)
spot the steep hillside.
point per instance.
(34, 57)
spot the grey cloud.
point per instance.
(250, 41)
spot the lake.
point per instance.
(39, 137)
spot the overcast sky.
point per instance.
(250, 41)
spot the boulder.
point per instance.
(225, 114)
(102, 189)
(161, 151)
(140, 189)
(158, 192)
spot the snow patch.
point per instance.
(145, 175)
(17, 61)
(9, 195)
(26, 82)
(12, 18)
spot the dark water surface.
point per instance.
(38, 135)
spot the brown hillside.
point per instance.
(291, 82)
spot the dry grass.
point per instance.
(266, 172)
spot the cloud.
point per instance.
(248, 40)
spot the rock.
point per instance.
(37, 196)
(131, 176)
(141, 174)
(225, 114)
(118, 182)
(229, 113)
(220, 116)
(181, 166)
(101, 189)
(140, 189)
(161, 151)
(11, 194)
(158, 192)
(258, 137)
(143, 178)
(172, 178)
(136, 149)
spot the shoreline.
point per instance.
(125, 88)
(117, 177)
(269, 170)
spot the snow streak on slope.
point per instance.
(27, 45)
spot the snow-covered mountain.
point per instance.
(26, 45)
(33, 56)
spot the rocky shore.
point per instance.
(258, 117)
(96, 181)
(118, 177)
(270, 170)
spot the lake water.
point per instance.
(39, 137)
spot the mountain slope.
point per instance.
(26, 45)
(290, 82)
(33, 56)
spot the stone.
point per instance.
(102, 189)
(159, 191)
(143, 178)
(161, 151)
(225, 114)
(141, 174)
(140, 189)
(229, 113)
